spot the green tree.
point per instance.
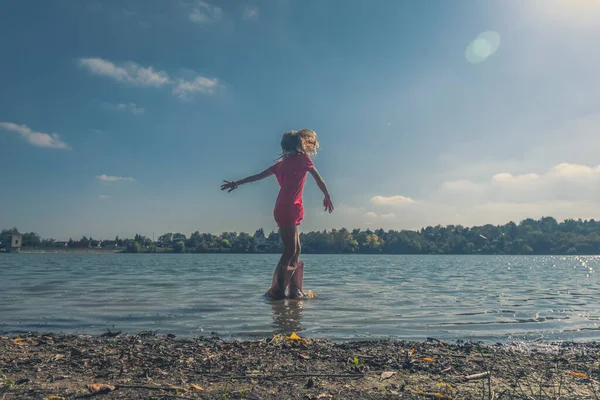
(166, 239)
(194, 241)
(179, 247)
(179, 237)
(133, 247)
(31, 239)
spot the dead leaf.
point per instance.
(22, 341)
(304, 356)
(58, 357)
(324, 396)
(427, 359)
(100, 387)
(480, 375)
(411, 352)
(198, 388)
(176, 388)
(387, 374)
(578, 374)
(55, 398)
(293, 336)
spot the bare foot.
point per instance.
(274, 295)
(296, 294)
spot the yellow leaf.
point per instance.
(411, 352)
(434, 394)
(293, 336)
(56, 398)
(22, 341)
(427, 359)
(100, 387)
(577, 374)
(198, 388)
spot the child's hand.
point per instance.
(328, 204)
(229, 185)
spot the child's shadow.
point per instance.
(287, 316)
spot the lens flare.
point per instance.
(480, 49)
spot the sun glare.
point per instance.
(572, 11)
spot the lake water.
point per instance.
(488, 298)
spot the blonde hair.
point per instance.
(295, 142)
(308, 141)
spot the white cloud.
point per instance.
(38, 139)
(198, 85)
(505, 177)
(562, 191)
(108, 178)
(575, 171)
(251, 13)
(391, 200)
(129, 72)
(130, 107)
(512, 196)
(203, 12)
(134, 74)
(554, 178)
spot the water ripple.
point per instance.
(489, 298)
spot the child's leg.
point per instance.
(281, 277)
(298, 273)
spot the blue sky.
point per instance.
(123, 117)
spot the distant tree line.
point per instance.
(543, 236)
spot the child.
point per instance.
(290, 170)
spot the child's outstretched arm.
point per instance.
(321, 184)
(232, 185)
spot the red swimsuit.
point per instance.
(291, 175)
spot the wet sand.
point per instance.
(150, 366)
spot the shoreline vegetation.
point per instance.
(146, 365)
(545, 236)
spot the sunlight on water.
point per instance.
(489, 298)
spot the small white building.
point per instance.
(12, 241)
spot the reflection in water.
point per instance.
(287, 315)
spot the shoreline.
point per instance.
(123, 251)
(65, 251)
(146, 365)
